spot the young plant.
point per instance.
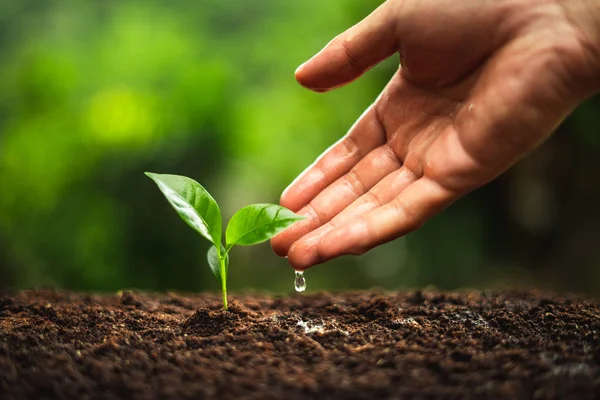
(250, 225)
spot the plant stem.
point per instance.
(223, 280)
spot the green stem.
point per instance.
(223, 280)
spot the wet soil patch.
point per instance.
(363, 345)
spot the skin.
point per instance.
(481, 84)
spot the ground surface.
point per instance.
(356, 345)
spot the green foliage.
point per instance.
(252, 224)
(193, 203)
(257, 223)
(214, 261)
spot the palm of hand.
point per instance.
(440, 129)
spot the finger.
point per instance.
(305, 250)
(339, 195)
(352, 53)
(366, 135)
(408, 211)
(382, 193)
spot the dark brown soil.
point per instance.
(56, 345)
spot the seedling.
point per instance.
(250, 225)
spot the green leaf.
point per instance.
(258, 223)
(193, 203)
(213, 261)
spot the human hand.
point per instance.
(481, 84)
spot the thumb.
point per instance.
(352, 53)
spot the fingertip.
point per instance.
(305, 252)
(304, 78)
(330, 245)
(286, 200)
(299, 193)
(298, 267)
(282, 242)
(310, 74)
(278, 246)
(298, 74)
(350, 239)
(301, 76)
(303, 256)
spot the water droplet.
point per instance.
(300, 282)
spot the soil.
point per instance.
(362, 345)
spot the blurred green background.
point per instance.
(94, 93)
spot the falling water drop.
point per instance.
(300, 282)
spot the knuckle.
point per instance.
(355, 183)
(317, 216)
(372, 198)
(346, 44)
(350, 146)
(407, 216)
(366, 231)
(390, 154)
